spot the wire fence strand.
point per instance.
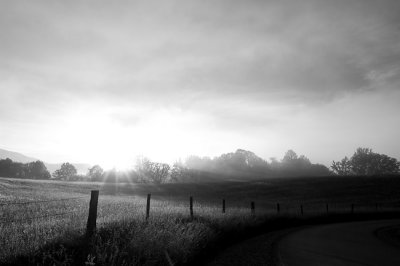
(39, 201)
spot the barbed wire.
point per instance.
(39, 201)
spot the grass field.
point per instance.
(42, 222)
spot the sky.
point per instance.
(100, 81)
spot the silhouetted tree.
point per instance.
(343, 167)
(152, 171)
(366, 162)
(66, 172)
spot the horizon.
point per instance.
(102, 83)
(133, 164)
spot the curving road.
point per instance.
(354, 243)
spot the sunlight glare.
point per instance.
(98, 138)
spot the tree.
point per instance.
(343, 167)
(95, 173)
(290, 155)
(384, 164)
(179, 172)
(293, 165)
(366, 162)
(6, 168)
(361, 161)
(152, 171)
(37, 170)
(66, 172)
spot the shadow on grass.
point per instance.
(114, 244)
(58, 252)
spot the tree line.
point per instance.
(241, 164)
(33, 170)
(246, 164)
(366, 162)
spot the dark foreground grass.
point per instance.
(114, 245)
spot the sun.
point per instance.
(96, 137)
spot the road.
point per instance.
(354, 243)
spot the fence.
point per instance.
(10, 220)
(277, 209)
(329, 209)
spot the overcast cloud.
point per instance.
(321, 77)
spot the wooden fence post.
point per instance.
(91, 223)
(278, 208)
(301, 209)
(148, 206)
(223, 206)
(191, 206)
(253, 208)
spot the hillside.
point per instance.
(16, 156)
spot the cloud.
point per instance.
(245, 66)
(306, 51)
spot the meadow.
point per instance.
(43, 222)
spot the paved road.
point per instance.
(350, 244)
(257, 251)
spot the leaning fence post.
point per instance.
(191, 207)
(301, 209)
(253, 208)
(91, 223)
(223, 206)
(148, 206)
